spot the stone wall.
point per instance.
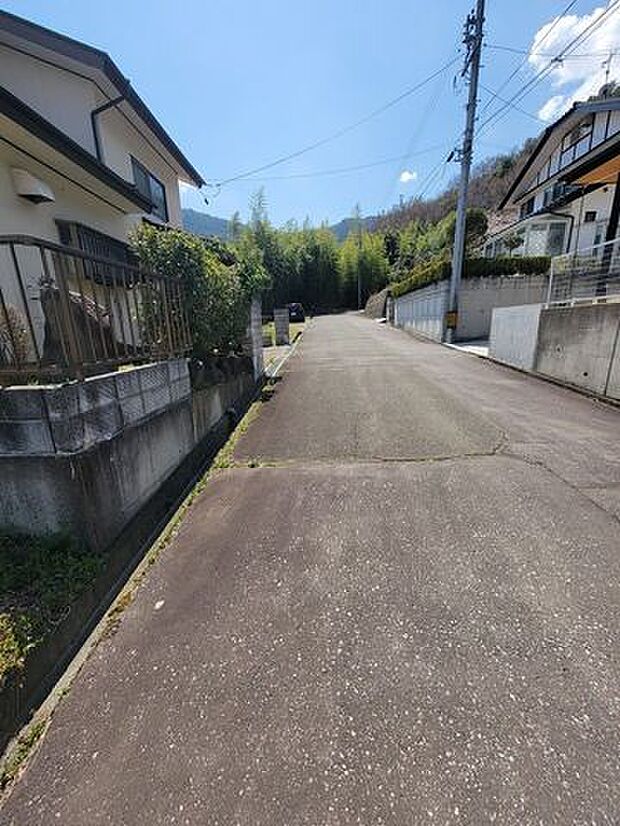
(376, 306)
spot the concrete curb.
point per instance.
(272, 372)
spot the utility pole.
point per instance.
(359, 268)
(472, 39)
(357, 217)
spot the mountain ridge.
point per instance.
(202, 223)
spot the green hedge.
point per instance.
(440, 269)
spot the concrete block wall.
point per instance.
(424, 310)
(85, 457)
(53, 419)
(480, 296)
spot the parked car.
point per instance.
(296, 312)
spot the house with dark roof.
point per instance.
(82, 157)
(566, 195)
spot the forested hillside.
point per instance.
(201, 223)
(489, 183)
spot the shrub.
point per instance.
(440, 268)
(218, 284)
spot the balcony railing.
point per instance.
(587, 276)
(65, 313)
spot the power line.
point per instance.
(514, 106)
(345, 169)
(540, 76)
(334, 135)
(524, 60)
(530, 53)
(423, 120)
(433, 176)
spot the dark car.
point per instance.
(296, 312)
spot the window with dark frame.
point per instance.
(528, 207)
(151, 187)
(93, 242)
(590, 216)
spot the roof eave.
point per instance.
(586, 106)
(98, 59)
(22, 114)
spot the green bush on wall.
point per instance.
(440, 269)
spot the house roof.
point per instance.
(33, 122)
(577, 110)
(99, 60)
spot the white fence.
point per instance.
(587, 276)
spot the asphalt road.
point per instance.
(406, 613)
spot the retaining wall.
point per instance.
(579, 345)
(85, 457)
(424, 310)
(376, 306)
(514, 335)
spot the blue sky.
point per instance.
(239, 84)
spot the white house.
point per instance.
(567, 193)
(82, 158)
(82, 162)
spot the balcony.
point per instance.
(66, 314)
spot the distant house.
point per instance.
(82, 158)
(566, 197)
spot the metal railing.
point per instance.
(65, 313)
(588, 275)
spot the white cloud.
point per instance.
(553, 108)
(406, 176)
(575, 78)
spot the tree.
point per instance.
(235, 227)
(513, 242)
(258, 208)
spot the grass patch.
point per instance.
(270, 330)
(22, 749)
(224, 458)
(294, 330)
(40, 578)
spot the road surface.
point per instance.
(401, 606)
